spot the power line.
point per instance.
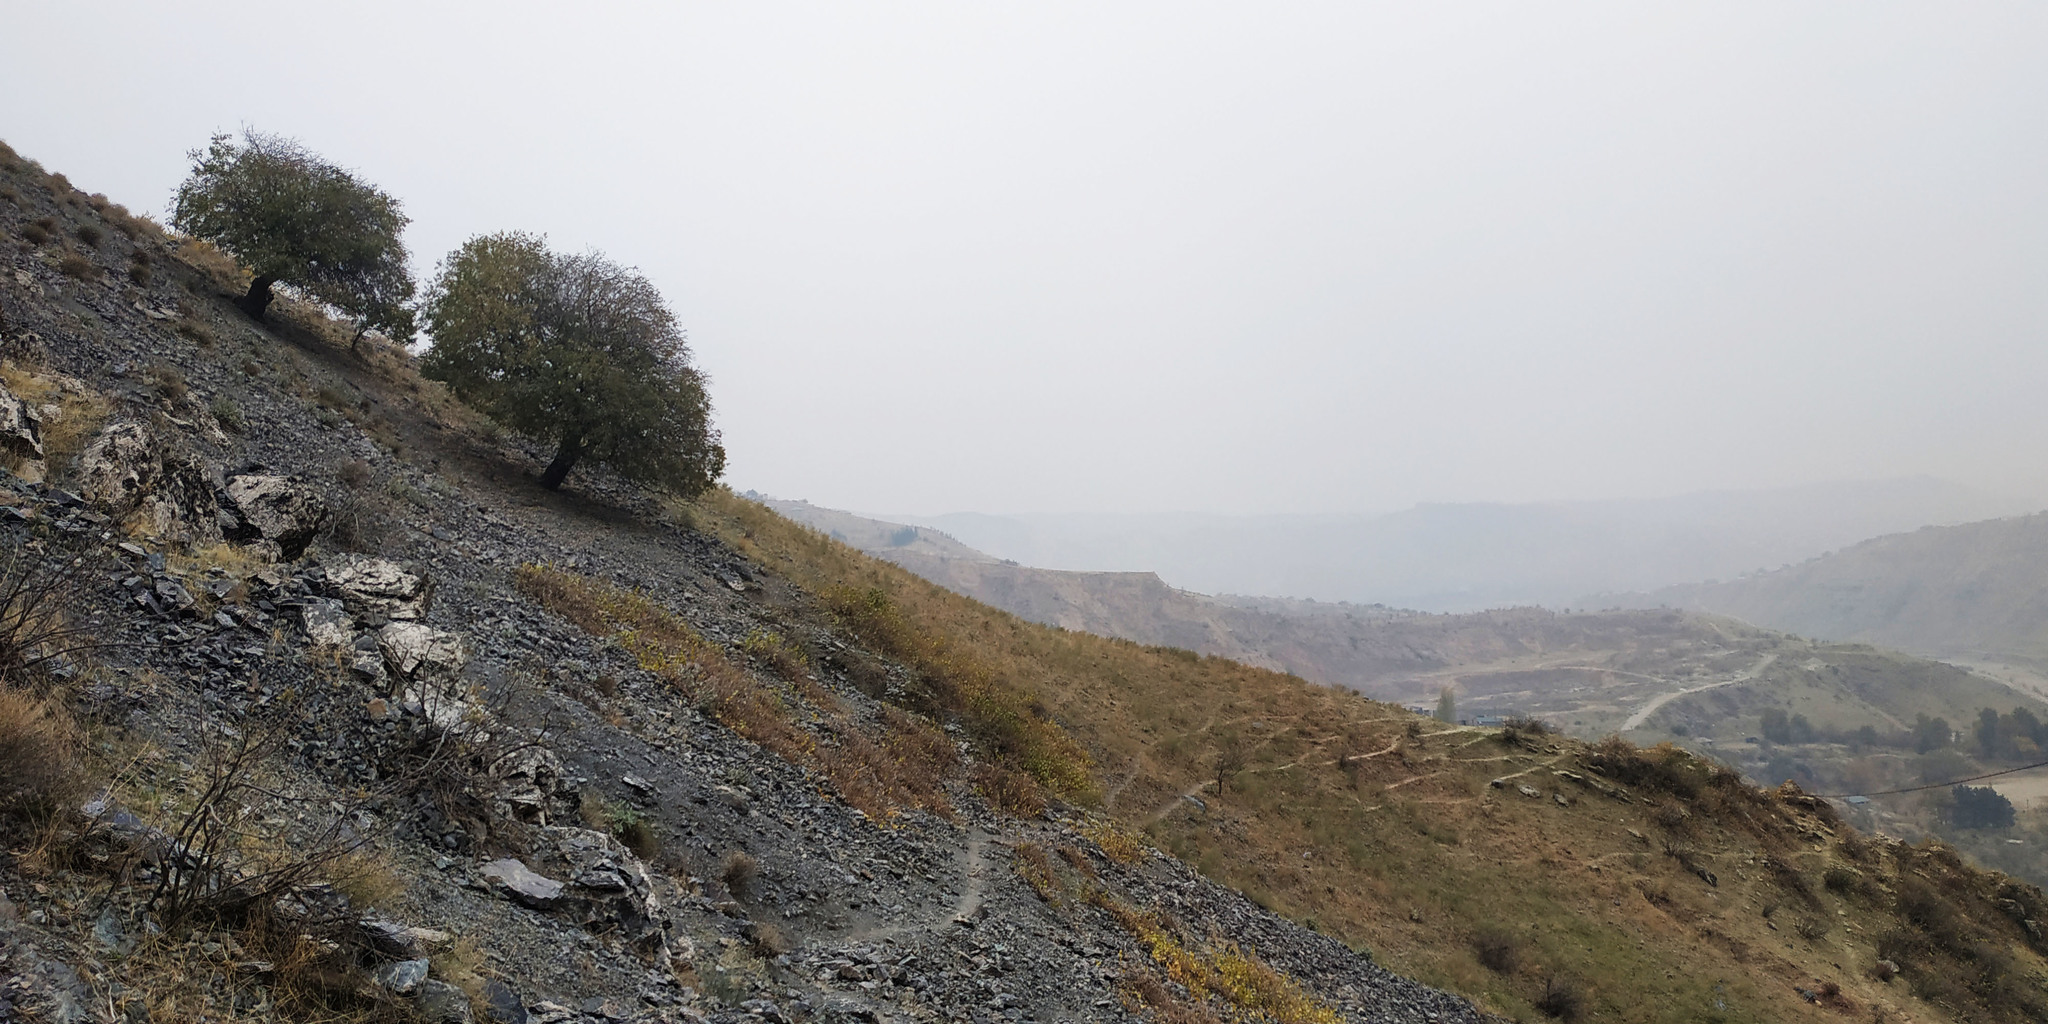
(1936, 785)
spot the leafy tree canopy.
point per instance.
(576, 351)
(296, 219)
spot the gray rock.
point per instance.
(279, 509)
(416, 651)
(402, 978)
(522, 884)
(163, 489)
(326, 622)
(173, 596)
(20, 432)
(116, 469)
(394, 939)
(442, 1003)
(503, 1004)
(376, 588)
(611, 891)
(529, 781)
(368, 666)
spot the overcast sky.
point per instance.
(1182, 256)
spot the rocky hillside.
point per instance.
(316, 707)
(326, 753)
(1978, 591)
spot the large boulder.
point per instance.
(376, 588)
(326, 622)
(21, 435)
(415, 651)
(609, 890)
(523, 884)
(425, 663)
(278, 509)
(531, 786)
(160, 488)
(117, 469)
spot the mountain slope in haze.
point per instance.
(1592, 673)
(1472, 556)
(1642, 882)
(1978, 591)
(621, 759)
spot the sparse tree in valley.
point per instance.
(295, 219)
(1447, 706)
(578, 352)
(1231, 757)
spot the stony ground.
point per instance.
(395, 643)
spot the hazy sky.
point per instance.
(1245, 257)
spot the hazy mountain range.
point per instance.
(1978, 591)
(1467, 557)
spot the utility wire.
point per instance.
(1936, 785)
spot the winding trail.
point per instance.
(974, 880)
(1642, 714)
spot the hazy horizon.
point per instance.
(1461, 557)
(1304, 258)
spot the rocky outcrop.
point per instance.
(21, 436)
(522, 884)
(415, 651)
(161, 488)
(375, 589)
(327, 622)
(281, 510)
(609, 889)
(532, 785)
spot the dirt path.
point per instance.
(1642, 714)
(975, 871)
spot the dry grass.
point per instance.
(1035, 867)
(1011, 725)
(1396, 816)
(1117, 842)
(167, 381)
(1149, 992)
(738, 871)
(1011, 792)
(80, 412)
(39, 745)
(1253, 990)
(905, 767)
(215, 266)
(77, 267)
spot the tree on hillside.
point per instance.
(1930, 733)
(575, 351)
(295, 219)
(1980, 807)
(1231, 757)
(1447, 706)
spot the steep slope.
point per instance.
(344, 719)
(1977, 591)
(1634, 885)
(371, 728)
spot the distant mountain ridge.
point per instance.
(1974, 591)
(1506, 659)
(1474, 556)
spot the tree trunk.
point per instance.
(259, 296)
(565, 460)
